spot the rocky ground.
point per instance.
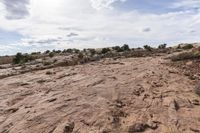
(127, 95)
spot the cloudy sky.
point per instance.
(38, 25)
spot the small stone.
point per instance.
(69, 127)
(152, 125)
(52, 100)
(138, 127)
(12, 110)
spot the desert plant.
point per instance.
(76, 50)
(48, 51)
(162, 46)
(125, 47)
(80, 55)
(147, 47)
(69, 50)
(18, 58)
(105, 50)
(51, 55)
(187, 46)
(117, 48)
(92, 51)
(185, 56)
(27, 58)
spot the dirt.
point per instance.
(109, 96)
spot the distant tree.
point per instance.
(92, 51)
(58, 51)
(80, 55)
(69, 50)
(117, 48)
(76, 50)
(48, 51)
(162, 46)
(18, 58)
(125, 47)
(188, 46)
(105, 50)
(147, 47)
(51, 55)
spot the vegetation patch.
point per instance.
(186, 56)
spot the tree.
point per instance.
(18, 58)
(105, 50)
(147, 47)
(125, 47)
(117, 48)
(46, 52)
(92, 51)
(162, 46)
(51, 55)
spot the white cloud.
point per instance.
(186, 4)
(100, 4)
(51, 21)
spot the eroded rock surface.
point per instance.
(132, 95)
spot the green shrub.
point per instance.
(92, 51)
(20, 58)
(48, 51)
(105, 50)
(80, 55)
(185, 56)
(69, 50)
(125, 47)
(51, 55)
(147, 47)
(187, 46)
(117, 48)
(162, 46)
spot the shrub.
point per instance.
(147, 47)
(162, 46)
(27, 58)
(125, 47)
(51, 55)
(187, 46)
(20, 58)
(105, 50)
(48, 51)
(17, 59)
(185, 56)
(92, 51)
(80, 55)
(57, 51)
(76, 51)
(69, 50)
(117, 48)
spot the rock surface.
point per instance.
(132, 95)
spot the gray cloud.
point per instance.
(46, 41)
(146, 29)
(16, 9)
(72, 34)
(70, 28)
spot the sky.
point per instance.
(37, 25)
